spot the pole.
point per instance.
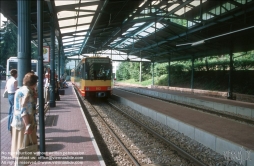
(230, 87)
(40, 74)
(24, 40)
(169, 72)
(192, 72)
(52, 101)
(153, 73)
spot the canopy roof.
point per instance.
(154, 30)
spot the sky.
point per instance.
(2, 18)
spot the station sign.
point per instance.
(46, 54)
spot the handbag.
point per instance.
(5, 94)
(27, 154)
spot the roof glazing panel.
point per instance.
(81, 33)
(67, 30)
(73, 42)
(68, 22)
(72, 39)
(85, 20)
(60, 3)
(92, 8)
(64, 14)
(173, 6)
(183, 10)
(75, 19)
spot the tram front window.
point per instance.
(13, 65)
(34, 67)
(99, 71)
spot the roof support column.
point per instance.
(230, 87)
(52, 101)
(192, 71)
(153, 73)
(40, 74)
(24, 40)
(59, 63)
(169, 72)
(140, 71)
(140, 68)
(62, 63)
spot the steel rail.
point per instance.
(172, 145)
(112, 133)
(116, 138)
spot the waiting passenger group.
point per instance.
(22, 109)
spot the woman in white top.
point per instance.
(46, 87)
(11, 86)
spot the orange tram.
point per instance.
(93, 77)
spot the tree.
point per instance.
(123, 71)
(8, 43)
(134, 70)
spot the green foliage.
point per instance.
(244, 64)
(161, 68)
(162, 80)
(210, 73)
(134, 71)
(123, 71)
(241, 61)
(143, 83)
(8, 45)
(130, 70)
(146, 71)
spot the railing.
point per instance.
(46, 108)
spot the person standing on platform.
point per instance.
(46, 86)
(57, 86)
(11, 86)
(35, 95)
(23, 119)
(35, 92)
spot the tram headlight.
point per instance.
(87, 88)
(109, 87)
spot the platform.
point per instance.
(68, 137)
(222, 135)
(245, 109)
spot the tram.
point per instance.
(92, 77)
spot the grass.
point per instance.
(162, 80)
(143, 83)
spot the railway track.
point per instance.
(135, 142)
(134, 138)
